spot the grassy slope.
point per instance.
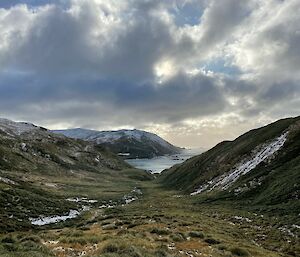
(53, 168)
(279, 176)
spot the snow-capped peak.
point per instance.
(111, 136)
(125, 142)
(139, 135)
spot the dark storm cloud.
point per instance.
(180, 97)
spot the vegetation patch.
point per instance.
(237, 251)
(160, 231)
(196, 234)
(212, 241)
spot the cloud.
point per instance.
(221, 19)
(268, 43)
(148, 64)
(180, 97)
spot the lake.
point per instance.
(160, 163)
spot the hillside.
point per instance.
(127, 143)
(67, 197)
(39, 170)
(259, 168)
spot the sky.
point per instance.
(196, 72)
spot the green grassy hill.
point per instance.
(39, 170)
(273, 182)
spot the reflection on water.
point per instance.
(158, 164)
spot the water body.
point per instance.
(158, 164)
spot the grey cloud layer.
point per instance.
(135, 62)
(180, 97)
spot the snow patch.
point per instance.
(126, 199)
(53, 219)
(130, 200)
(242, 218)
(7, 181)
(286, 231)
(106, 206)
(24, 147)
(124, 154)
(133, 196)
(226, 180)
(137, 191)
(81, 199)
(53, 185)
(16, 128)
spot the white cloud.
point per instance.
(268, 43)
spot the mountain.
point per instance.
(39, 170)
(128, 143)
(29, 141)
(261, 167)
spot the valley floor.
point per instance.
(158, 223)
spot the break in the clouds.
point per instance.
(195, 71)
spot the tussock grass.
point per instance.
(237, 251)
(196, 234)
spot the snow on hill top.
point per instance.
(112, 136)
(16, 128)
(139, 135)
(78, 133)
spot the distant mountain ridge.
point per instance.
(130, 143)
